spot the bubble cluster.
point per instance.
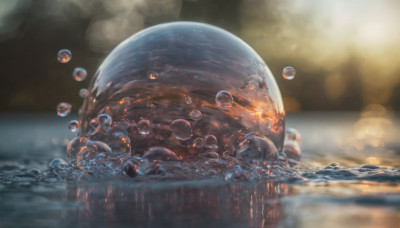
(64, 55)
(63, 109)
(288, 73)
(79, 74)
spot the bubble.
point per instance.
(105, 121)
(292, 150)
(253, 82)
(293, 135)
(181, 129)
(58, 163)
(288, 73)
(217, 62)
(129, 168)
(74, 146)
(195, 115)
(253, 147)
(160, 153)
(236, 173)
(64, 55)
(153, 76)
(79, 74)
(188, 100)
(73, 125)
(210, 142)
(198, 143)
(83, 93)
(93, 156)
(120, 143)
(144, 127)
(223, 99)
(63, 109)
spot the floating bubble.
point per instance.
(217, 62)
(288, 73)
(64, 55)
(210, 142)
(63, 109)
(83, 93)
(73, 125)
(74, 146)
(223, 99)
(181, 129)
(195, 114)
(79, 74)
(253, 147)
(160, 153)
(293, 135)
(153, 76)
(144, 127)
(198, 143)
(188, 100)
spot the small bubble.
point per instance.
(289, 73)
(181, 129)
(105, 121)
(195, 114)
(73, 125)
(160, 153)
(57, 163)
(63, 109)
(144, 127)
(79, 74)
(153, 76)
(198, 143)
(129, 168)
(64, 55)
(253, 147)
(120, 143)
(223, 99)
(293, 135)
(83, 93)
(188, 100)
(210, 142)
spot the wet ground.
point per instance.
(348, 193)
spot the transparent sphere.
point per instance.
(63, 109)
(73, 125)
(83, 93)
(64, 55)
(157, 68)
(79, 74)
(288, 73)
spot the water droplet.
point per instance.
(181, 129)
(83, 93)
(288, 73)
(195, 114)
(74, 146)
(223, 99)
(63, 109)
(293, 135)
(198, 143)
(153, 76)
(79, 74)
(144, 127)
(188, 100)
(160, 153)
(210, 142)
(64, 55)
(253, 147)
(73, 125)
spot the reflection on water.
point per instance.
(181, 204)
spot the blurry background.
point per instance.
(346, 53)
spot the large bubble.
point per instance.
(186, 59)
